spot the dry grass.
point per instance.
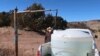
(98, 40)
(28, 42)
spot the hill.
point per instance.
(94, 25)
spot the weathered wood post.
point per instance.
(16, 31)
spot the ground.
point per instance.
(98, 40)
(28, 42)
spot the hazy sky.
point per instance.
(70, 10)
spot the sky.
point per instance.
(70, 10)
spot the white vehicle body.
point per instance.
(45, 49)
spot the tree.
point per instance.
(36, 6)
(4, 19)
(32, 20)
(61, 23)
(11, 17)
(50, 22)
(38, 21)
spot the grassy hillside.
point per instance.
(94, 25)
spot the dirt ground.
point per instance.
(28, 41)
(98, 40)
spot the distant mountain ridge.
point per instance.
(98, 20)
(93, 24)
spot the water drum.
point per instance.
(71, 42)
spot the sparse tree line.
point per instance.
(32, 21)
(36, 21)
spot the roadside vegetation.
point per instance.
(37, 21)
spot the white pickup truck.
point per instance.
(69, 42)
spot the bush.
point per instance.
(7, 52)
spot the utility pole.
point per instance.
(16, 24)
(16, 31)
(55, 18)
